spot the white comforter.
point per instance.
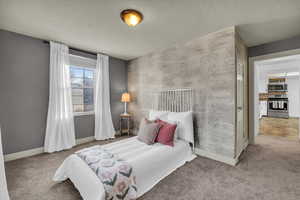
(151, 163)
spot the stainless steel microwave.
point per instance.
(277, 87)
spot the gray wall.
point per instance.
(118, 85)
(24, 89)
(206, 64)
(273, 47)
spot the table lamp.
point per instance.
(125, 98)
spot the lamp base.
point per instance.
(125, 110)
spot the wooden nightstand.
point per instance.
(128, 120)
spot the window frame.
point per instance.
(84, 68)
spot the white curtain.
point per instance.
(60, 124)
(3, 185)
(104, 128)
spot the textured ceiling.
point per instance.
(95, 25)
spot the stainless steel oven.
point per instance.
(278, 106)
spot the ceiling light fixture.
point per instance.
(131, 17)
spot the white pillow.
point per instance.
(185, 130)
(154, 114)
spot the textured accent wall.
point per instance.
(206, 64)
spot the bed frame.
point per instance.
(174, 100)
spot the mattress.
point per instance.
(151, 163)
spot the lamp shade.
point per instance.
(125, 97)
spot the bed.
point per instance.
(151, 163)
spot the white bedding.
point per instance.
(151, 163)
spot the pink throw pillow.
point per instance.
(166, 133)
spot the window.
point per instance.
(82, 82)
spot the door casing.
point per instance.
(253, 90)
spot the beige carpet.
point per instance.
(269, 170)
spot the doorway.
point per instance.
(275, 95)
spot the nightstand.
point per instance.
(125, 122)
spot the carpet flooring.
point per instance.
(269, 170)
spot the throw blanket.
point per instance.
(115, 174)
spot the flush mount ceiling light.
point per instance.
(131, 17)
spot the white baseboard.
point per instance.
(245, 145)
(224, 159)
(36, 151)
(85, 140)
(23, 154)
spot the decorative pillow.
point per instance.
(185, 125)
(154, 114)
(166, 133)
(148, 131)
(174, 123)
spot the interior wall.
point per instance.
(24, 92)
(293, 95)
(206, 64)
(276, 46)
